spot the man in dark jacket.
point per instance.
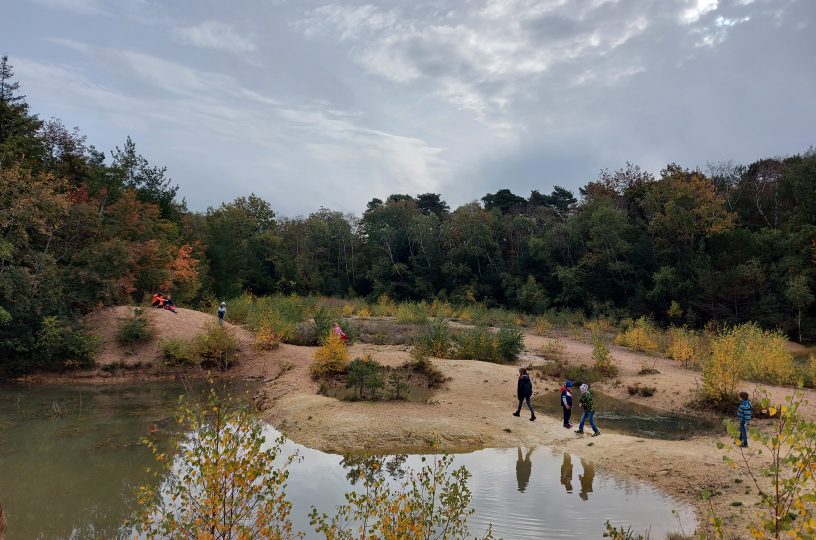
(524, 392)
(566, 402)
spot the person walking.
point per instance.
(745, 412)
(589, 411)
(566, 402)
(222, 312)
(524, 391)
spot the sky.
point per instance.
(329, 104)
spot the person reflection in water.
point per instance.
(586, 479)
(566, 473)
(523, 469)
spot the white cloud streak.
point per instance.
(216, 35)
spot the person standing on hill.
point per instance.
(744, 414)
(221, 313)
(589, 411)
(524, 392)
(566, 402)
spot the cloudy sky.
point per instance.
(320, 103)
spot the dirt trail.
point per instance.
(472, 411)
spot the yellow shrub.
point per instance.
(266, 338)
(642, 336)
(541, 327)
(465, 315)
(332, 358)
(364, 312)
(441, 309)
(746, 352)
(348, 310)
(385, 307)
(686, 347)
(603, 361)
(553, 349)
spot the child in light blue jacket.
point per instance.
(744, 414)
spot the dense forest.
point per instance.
(80, 228)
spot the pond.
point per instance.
(632, 418)
(70, 460)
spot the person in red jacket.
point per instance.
(339, 333)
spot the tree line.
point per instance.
(81, 228)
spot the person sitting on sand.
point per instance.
(589, 411)
(524, 392)
(157, 300)
(169, 304)
(566, 402)
(339, 333)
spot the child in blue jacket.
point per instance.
(744, 414)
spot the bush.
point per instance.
(745, 352)
(686, 347)
(476, 344)
(397, 385)
(266, 339)
(238, 309)
(412, 313)
(304, 334)
(434, 339)
(511, 343)
(365, 374)
(647, 367)
(423, 365)
(647, 391)
(604, 364)
(641, 336)
(69, 345)
(324, 320)
(217, 345)
(134, 330)
(541, 326)
(177, 352)
(553, 349)
(330, 359)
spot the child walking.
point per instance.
(566, 402)
(744, 413)
(524, 391)
(222, 312)
(589, 411)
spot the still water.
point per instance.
(623, 416)
(70, 460)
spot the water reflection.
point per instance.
(566, 473)
(524, 467)
(586, 479)
(83, 468)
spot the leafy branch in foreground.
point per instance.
(222, 484)
(786, 481)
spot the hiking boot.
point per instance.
(516, 413)
(596, 433)
(579, 431)
(532, 418)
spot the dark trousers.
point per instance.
(567, 415)
(529, 405)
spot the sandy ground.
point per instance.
(472, 411)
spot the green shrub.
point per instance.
(134, 330)
(561, 371)
(511, 343)
(413, 313)
(217, 345)
(434, 339)
(397, 385)
(324, 320)
(476, 344)
(365, 374)
(238, 309)
(604, 364)
(66, 344)
(177, 352)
